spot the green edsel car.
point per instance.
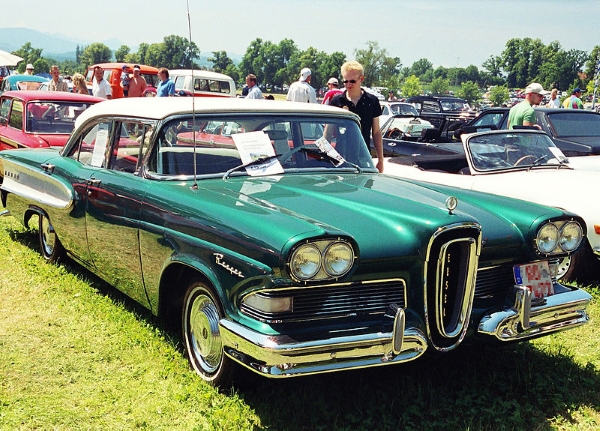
(264, 230)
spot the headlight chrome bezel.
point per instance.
(336, 259)
(558, 237)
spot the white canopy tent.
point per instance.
(8, 59)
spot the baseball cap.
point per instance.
(333, 81)
(534, 87)
(124, 67)
(304, 73)
(137, 66)
(576, 90)
(29, 66)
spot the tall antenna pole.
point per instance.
(195, 185)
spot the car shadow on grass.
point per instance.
(507, 387)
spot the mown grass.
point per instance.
(76, 354)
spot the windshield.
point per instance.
(53, 117)
(575, 124)
(499, 151)
(403, 109)
(232, 145)
(455, 105)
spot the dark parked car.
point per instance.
(265, 232)
(446, 113)
(575, 131)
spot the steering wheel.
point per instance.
(394, 133)
(529, 156)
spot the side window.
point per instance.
(93, 144)
(16, 116)
(5, 108)
(179, 82)
(132, 141)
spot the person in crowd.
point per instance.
(301, 90)
(29, 69)
(522, 114)
(253, 90)
(79, 85)
(574, 102)
(391, 96)
(554, 101)
(166, 87)
(137, 84)
(57, 83)
(366, 105)
(333, 89)
(100, 86)
(125, 80)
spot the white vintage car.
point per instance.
(399, 120)
(522, 164)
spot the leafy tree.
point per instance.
(374, 62)
(469, 91)
(95, 53)
(220, 61)
(439, 86)
(41, 65)
(233, 71)
(499, 94)
(493, 65)
(411, 87)
(121, 53)
(420, 67)
(29, 55)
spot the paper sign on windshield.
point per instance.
(253, 146)
(326, 147)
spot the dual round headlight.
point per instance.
(321, 260)
(558, 239)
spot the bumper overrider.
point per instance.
(278, 356)
(529, 317)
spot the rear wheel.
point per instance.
(202, 337)
(50, 245)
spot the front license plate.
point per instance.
(536, 277)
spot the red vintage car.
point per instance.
(39, 119)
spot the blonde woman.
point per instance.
(79, 85)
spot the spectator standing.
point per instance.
(166, 87)
(57, 83)
(522, 114)
(79, 85)
(253, 90)
(29, 69)
(554, 101)
(364, 104)
(301, 90)
(100, 87)
(137, 84)
(333, 85)
(574, 102)
(125, 80)
(391, 97)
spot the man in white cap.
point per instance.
(29, 69)
(522, 114)
(333, 85)
(301, 90)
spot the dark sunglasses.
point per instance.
(351, 81)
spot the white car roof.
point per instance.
(156, 108)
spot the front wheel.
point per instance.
(583, 266)
(202, 337)
(50, 245)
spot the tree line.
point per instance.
(277, 64)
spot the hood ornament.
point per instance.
(451, 204)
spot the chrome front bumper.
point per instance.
(530, 318)
(281, 356)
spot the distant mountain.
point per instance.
(60, 47)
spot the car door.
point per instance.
(114, 194)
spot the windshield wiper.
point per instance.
(537, 161)
(258, 161)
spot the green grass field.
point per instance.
(75, 354)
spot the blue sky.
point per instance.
(448, 33)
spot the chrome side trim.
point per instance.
(279, 356)
(529, 318)
(4, 213)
